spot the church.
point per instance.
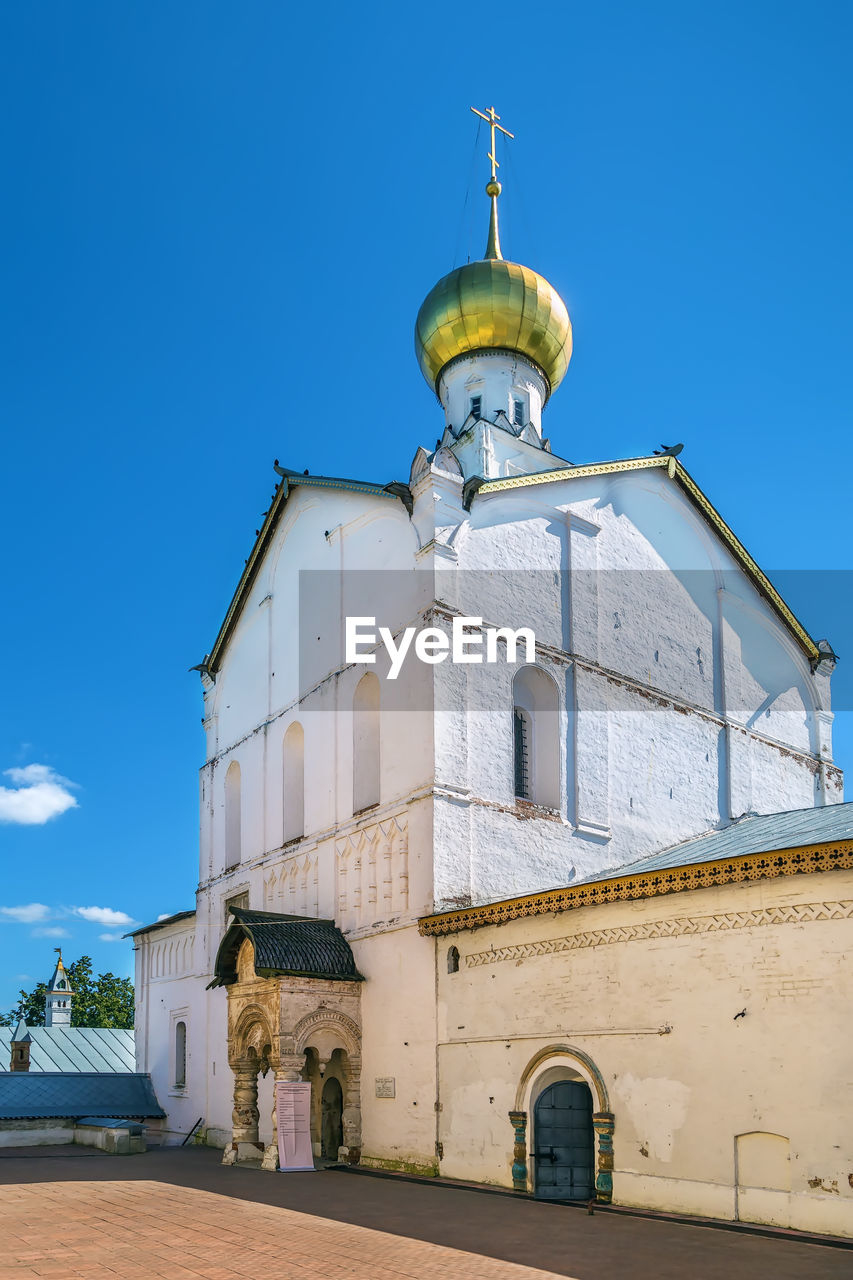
(521, 837)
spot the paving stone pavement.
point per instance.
(178, 1214)
(101, 1230)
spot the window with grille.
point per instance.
(518, 412)
(477, 407)
(521, 745)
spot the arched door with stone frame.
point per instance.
(562, 1118)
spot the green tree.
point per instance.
(102, 1001)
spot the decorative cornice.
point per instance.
(648, 884)
(676, 472)
(723, 922)
(573, 473)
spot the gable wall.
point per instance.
(689, 702)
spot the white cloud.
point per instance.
(164, 915)
(38, 795)
(26, 915)
(104, 915)
(50, 932)
(110, 937)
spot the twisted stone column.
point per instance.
(245, 1115)
(518, 1120)
(603, 1123)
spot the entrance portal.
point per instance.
(331, 1125)
(564, 1142)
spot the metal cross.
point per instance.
(491, 118)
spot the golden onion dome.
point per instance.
(494, 305)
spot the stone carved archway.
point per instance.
(294, 1024)
(251, 1053)
(334, 1038)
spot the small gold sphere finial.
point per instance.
(494, 305)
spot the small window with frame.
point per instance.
(477, 407)
(518, 412)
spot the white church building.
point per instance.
(566, 910)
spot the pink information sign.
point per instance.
(293, 1114)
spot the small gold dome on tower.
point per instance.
(494, 305)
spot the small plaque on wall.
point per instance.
(386, 1087)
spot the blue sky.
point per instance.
(219, 224)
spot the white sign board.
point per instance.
(293, 1116)
(386, 1087)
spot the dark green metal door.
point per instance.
(564, 1147)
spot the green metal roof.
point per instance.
(102, 1049)
(753, 833)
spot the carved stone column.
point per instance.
(518, 1120)
(245, 1116)
(603, 1123)
(351, 1116)
(289, 1069)
(270, 1157)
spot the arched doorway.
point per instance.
(564, 1142)
(331, 1122)
(576, 1127)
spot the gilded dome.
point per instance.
(493, 304)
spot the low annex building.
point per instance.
(573, 922)
(62, 1084)
(658, 1005)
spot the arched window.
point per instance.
(233, 816)
(365, 743)
(453, 960)
(536, 737)
(180, 1054)
(61, 984)
(293, 782)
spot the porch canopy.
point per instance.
(295, 946)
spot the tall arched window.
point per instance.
(180, 1054)
(365, 743)
(293, 782)
(233, 815)
(536, 737)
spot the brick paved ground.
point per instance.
(179, 1215)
